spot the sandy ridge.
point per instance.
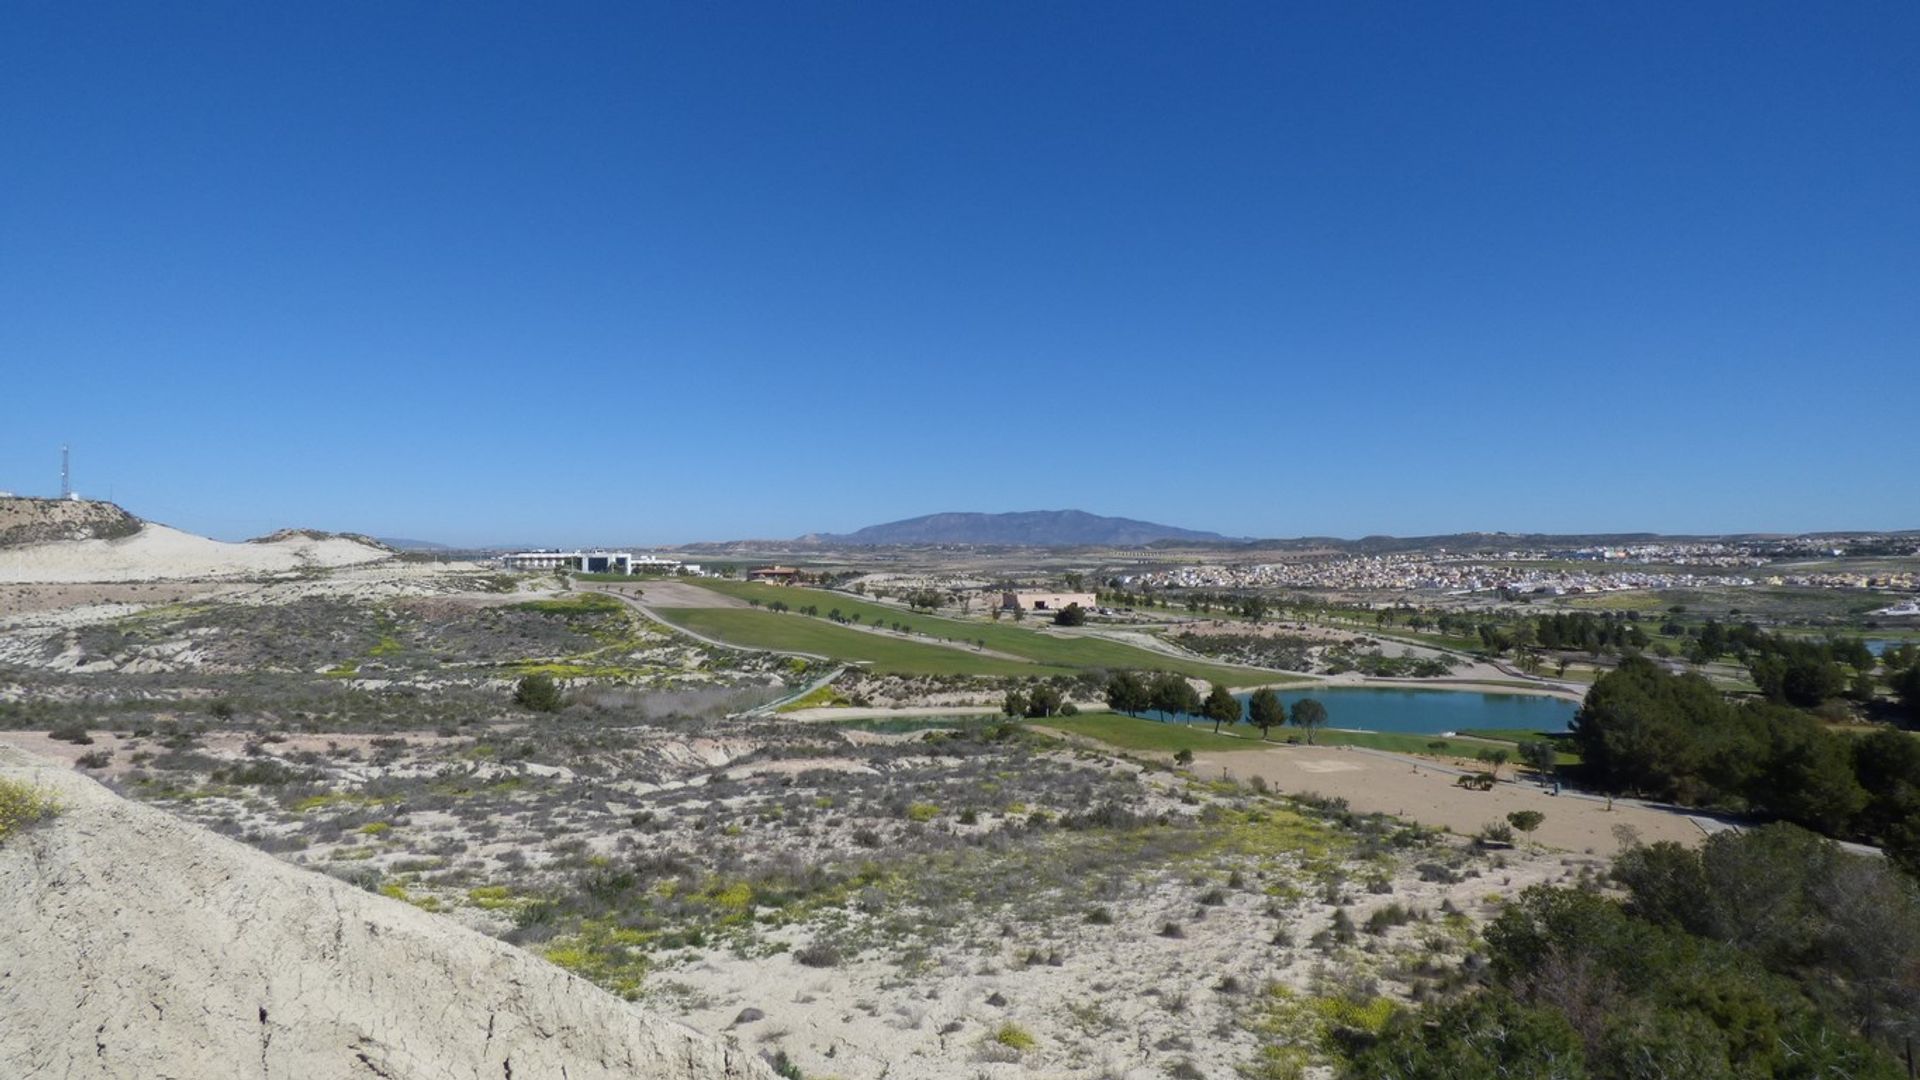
(141, 946)
(159, 553)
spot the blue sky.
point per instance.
(639, 273)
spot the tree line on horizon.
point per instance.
(1173, 697)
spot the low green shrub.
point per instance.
(22, 805)
(1014, 1037)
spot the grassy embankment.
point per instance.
(1052, 654)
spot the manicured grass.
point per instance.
(1512, 735)
(1134, 733)
(1420, 637)
(886, 653)
(1562, 753)
(1005, 636)
(1401, 742)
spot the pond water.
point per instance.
(1430, 712)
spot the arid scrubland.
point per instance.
(946, 898)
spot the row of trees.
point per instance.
(1256, 608)
(1581, 631)
(1646, 731)
(1172, 696)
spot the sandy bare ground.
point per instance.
(33, 599)
(157, 553)
(1418, 791)
(231, 744)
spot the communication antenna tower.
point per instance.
(66, 477)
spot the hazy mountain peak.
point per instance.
(1025, 528)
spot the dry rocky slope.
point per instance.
(137, 945)
(41, 521)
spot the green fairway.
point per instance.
(1133, 733)
(1006, 636)
(887, 654)
(1428, 638)
(1512, 735)
(1562, 744)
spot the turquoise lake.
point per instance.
(1430, 712)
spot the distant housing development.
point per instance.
(590, 562)
(1039, 601)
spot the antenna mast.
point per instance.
(66, 477)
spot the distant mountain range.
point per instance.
(1027, 528)
(1074, 528)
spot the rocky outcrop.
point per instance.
(282, 536)
(138, 945)
(40, 521)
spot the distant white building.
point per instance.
(1039, 601)
(650, 562)
(587, 562)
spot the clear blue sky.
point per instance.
(647, 273)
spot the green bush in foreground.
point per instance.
(539, 693)
(23, 804)
(1769, 954)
